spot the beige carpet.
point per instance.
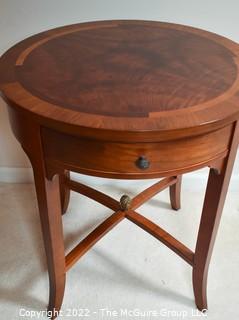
(128, 274)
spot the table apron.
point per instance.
(122, 160)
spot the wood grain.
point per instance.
(92, 238)
(175, 194)
(125, 100)
(135, 80)
(211, 214)
(128, 70)
(161, 235)
(119, 160)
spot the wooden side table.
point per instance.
(128, 100)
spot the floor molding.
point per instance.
(193, 181)
(16, 175)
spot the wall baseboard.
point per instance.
(16, 175)
(194, 181)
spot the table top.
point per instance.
(125, 77)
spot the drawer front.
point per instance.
(134, 160)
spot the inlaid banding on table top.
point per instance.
(130, 100)
(25, 53)
(140, 78)
(127, 71)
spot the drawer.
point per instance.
(133, 160)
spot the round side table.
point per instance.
(128, 100)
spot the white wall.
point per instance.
(21, 18)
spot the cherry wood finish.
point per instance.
(162, 161)
(64, 190)
(130, 214)
(190, 86)
(128, 100)
(49, 203)
(175, 194)
(161, 235)
(212, 209)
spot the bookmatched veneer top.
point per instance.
(127, 78)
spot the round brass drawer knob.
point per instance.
(142, 163)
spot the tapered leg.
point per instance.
(175, 194)
(48, 195)
(64, 191)
(49, 204)
(212, 209)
